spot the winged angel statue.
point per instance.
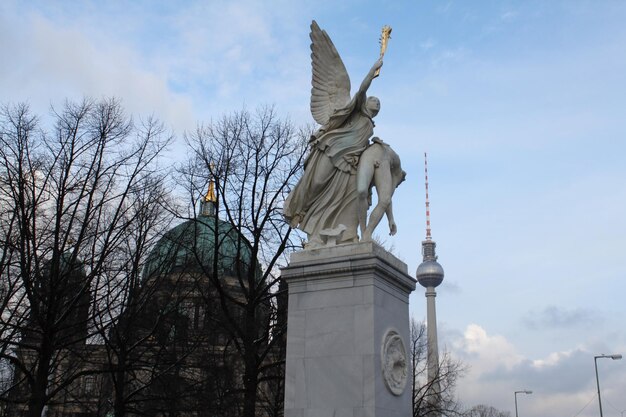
(324, 203)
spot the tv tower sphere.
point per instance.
(429, 273)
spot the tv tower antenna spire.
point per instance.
(428, 235)
(430, 274)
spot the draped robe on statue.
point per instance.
(326, 197)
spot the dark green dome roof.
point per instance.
(77, 266)
(191, 246)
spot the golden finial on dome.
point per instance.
(210, 195)
(208, 205)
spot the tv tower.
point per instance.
(430, 274)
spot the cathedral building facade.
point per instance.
(174, 349)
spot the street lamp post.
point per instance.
(520, 392)
(595, 361)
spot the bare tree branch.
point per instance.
(68, 202)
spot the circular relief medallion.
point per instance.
(394, 362)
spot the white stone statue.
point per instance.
(379, 166)
(324, 203)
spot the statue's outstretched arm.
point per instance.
(368, 79)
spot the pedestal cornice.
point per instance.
(357, 260)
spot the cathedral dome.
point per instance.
(75, 268)
(192, 246)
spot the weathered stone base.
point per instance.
(342, 301)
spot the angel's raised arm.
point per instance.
(360, 95)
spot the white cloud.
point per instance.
(53, 63)
(562, 382)
(508, 15)
(553, 318)
(551, 360)
(486, 352)
(202, 60)
(427, 44)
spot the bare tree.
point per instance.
(483, 410)
(68, 203)
(434, 397)
(126, 300)
(254, 161)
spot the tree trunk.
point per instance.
(250, 382)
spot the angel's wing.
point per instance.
(331, 83)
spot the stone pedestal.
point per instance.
(348, 316)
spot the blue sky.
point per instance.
(520, 104)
